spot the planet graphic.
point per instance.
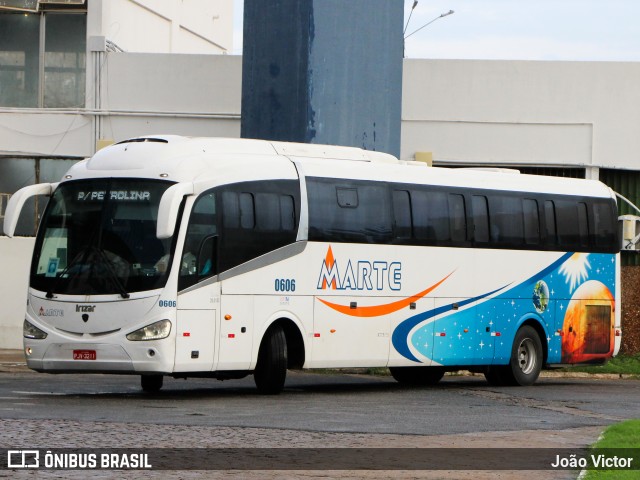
(540, 296)
(587, 332)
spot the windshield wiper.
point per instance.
(113, 275)
(80, 258)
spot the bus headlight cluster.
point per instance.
(155, 331)
(31, 331)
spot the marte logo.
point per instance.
(359, 275)
(85, 308)
(51, 312)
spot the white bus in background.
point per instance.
(204, 257)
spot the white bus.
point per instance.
(204, 257)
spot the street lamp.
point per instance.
(415, 4)
(446, 14)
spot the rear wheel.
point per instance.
(151, 383)
(526, 358)
(417, 375)
(271, 370)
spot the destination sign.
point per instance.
(117, 195)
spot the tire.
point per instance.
(151, 383)
(526, 358)
(417, 375)
(271, 370)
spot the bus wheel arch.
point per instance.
(542, 335)
(281, 348)
(527, 358)
(295, 343)
(512, 374)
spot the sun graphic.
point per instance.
(575, 269)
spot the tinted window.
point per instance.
(480, 218)
(98, 237)
(531, 221)
(268, 211)
(199, 253)
(431, 216)
(348, 212)
(257, 217)
(247, 211)
(457, 218)
(505, 214)
(550, 222)
(402, 214)
(287, 212)
(604, 225)
(583, 224)
(567, 224)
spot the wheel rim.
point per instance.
(527, 356)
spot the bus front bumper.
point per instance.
(91, 358)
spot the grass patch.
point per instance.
(623, 365)
(620, 435)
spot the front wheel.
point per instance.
(271, 370)
(526, 358)
(151, 383)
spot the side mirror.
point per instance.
(16, 202)
(169, 207)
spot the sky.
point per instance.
(582, 30)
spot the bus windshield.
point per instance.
(98, 237)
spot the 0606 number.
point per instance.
(285, 285)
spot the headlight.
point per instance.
(31, 331)
(155, 331)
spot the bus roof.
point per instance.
(225, 160)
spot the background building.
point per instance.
(74, 77)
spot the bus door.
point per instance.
(198, 300)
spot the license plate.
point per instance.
(84, 354)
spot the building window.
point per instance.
(42, 59)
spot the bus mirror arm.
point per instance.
(16, 202)
(169, 208)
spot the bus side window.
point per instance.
(351, 211)
(604, 228)
(550, 223)
(531, 221)
(267, 212)
(287, 212)
(505, 215)
(583, 224)
(431, 216)
(247, 211)
(480, 218)
(567, 223)
(457, 218)
(199, 253)
(402, 214)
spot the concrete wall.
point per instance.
(464, 111)
(15, 261)
(179, 94)
(139, 94)
(517, 112)
(165, 26)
